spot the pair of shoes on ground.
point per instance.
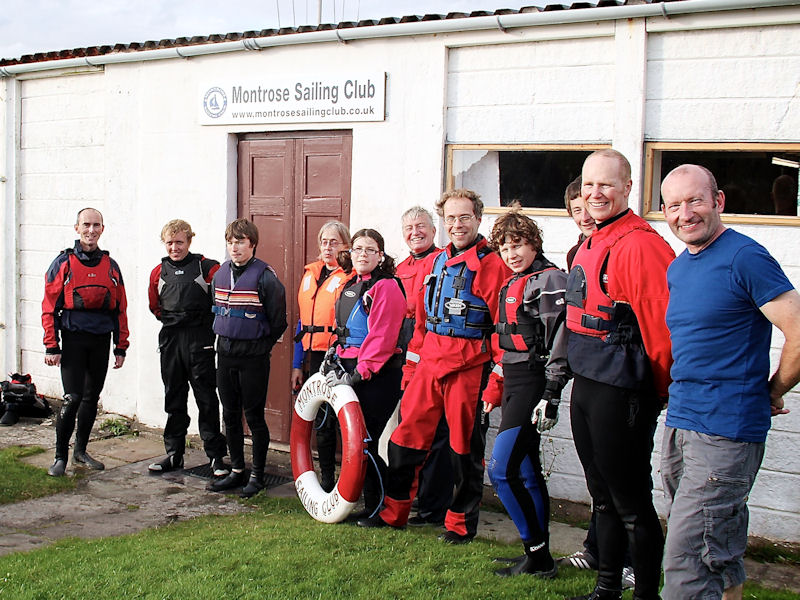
(418, 521)
(236, 479)
(174, 462)
(527, 566)
(448, 537)
(59, 466)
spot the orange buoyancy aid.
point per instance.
(318, 305)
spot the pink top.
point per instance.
(387, 309)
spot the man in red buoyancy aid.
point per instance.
(435, 491)
(454, 320)
(619, 352)
(85, 306)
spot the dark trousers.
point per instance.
(613, 432)
(326, 426)
(378, 397)
(242, 384)
(515, 468)
(187, 358)
(84, 364)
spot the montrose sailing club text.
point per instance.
(352, 88)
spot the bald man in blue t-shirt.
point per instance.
(726, 293)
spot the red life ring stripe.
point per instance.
(334, 506)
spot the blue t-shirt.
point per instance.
(720, 338)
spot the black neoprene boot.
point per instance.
(537, 562)
(83, 458)
(172, 462)
(58, 468)
(233, 480)
(87, 413)
(600, 594)
(254, 485)
(65, 424)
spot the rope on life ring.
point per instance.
(334, 506)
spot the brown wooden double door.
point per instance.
(289, 185)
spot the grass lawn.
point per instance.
(277, 551)
(20, 481)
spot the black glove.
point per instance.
(330, 362)
(342, 377)
(545, 415)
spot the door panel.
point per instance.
(289, 185)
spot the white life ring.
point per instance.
(334, 506)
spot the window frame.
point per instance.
(652, 188)
(499, 210)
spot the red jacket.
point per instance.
(636, 275)
(55, 317)
(411, 273)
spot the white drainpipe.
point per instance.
(501, 22)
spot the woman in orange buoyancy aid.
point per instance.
(320, 287)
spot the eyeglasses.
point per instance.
(367, 251)
(329, 243)
(463, 219)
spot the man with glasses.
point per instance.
(445, 368)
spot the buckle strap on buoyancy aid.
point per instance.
(238, 312)
(622, 325)
(304, 329)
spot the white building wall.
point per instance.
(61, 163)
(724, 85)
(126, 140)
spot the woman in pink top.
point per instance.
(369, 314)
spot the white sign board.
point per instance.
(293, 99)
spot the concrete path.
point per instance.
(125, 498)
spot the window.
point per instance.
(534, 175)
(759, 179)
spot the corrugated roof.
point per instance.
(90, 51)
